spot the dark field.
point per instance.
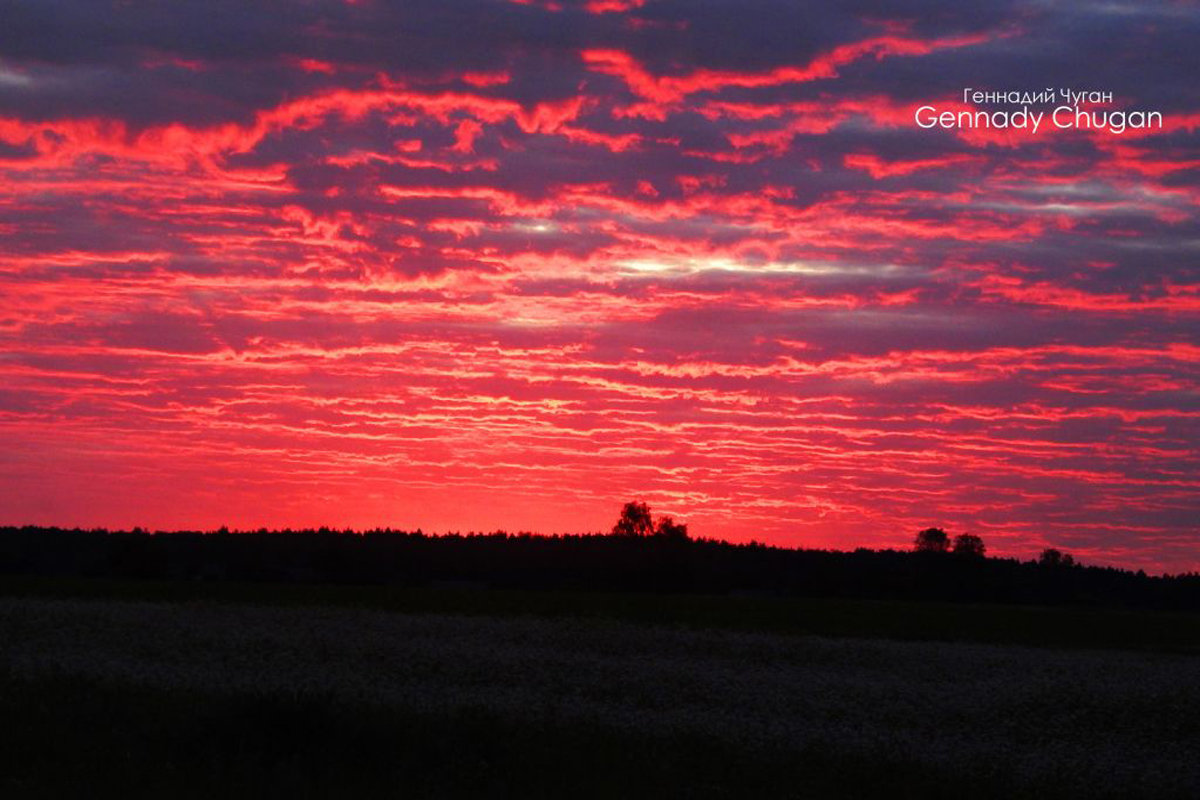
(1042, 626)
(194, 689)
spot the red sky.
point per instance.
(508, 265)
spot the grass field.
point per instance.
(326, 691)
(1053, 626)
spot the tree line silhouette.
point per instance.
(639, 554)
(936, 540)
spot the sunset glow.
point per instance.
(480, 265)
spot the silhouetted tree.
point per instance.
(634, 521)
(932, 540)
(968, 544)
(668, 528)
(1052, 557)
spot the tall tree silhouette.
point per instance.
(932, 540)
(635, 520)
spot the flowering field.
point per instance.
(1083, 722)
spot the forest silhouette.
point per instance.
(639, 554)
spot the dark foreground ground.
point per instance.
(218, 689)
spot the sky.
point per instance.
(506, 265)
